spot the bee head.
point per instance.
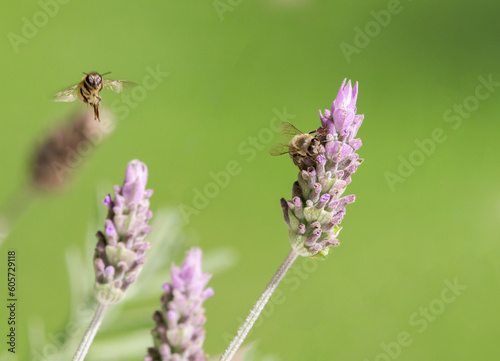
(94, 79)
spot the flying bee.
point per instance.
(301, 147)
(88, 90)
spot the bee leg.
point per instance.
(96, 106)
(96, 112)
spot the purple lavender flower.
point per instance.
(314, 214)
(179, 332)
(120, 250)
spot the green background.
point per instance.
(227, 72)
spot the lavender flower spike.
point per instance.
(179, 332)
(314, 214)
(120, 251)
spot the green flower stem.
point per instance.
(259, 306)
(13, 209)
(91, 332)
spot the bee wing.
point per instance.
(67, 95)
(279, 149)
(116, 86)
(288, 130)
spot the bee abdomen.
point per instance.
(84, 94)
(88, 87)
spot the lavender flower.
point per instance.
(65, 148)
(314, 213)
(179, 332)
(120, 251)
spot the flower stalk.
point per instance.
(53, 162)
(179, 334)
(314, 213)
(82, 350)
(259, 306)
(120, 251)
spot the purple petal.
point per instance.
(110, 228)
(209, 292)
(107, 200)
(325, 197)
(134, 184)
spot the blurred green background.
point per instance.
(230, 67)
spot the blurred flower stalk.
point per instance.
(54, 161)
(314, 213)
(120, 251)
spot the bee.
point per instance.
(88, 90)
(302, 147)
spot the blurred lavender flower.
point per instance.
(120, 251)
(65, 148)
(314, 214)
(179, 332)
(53, 161)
